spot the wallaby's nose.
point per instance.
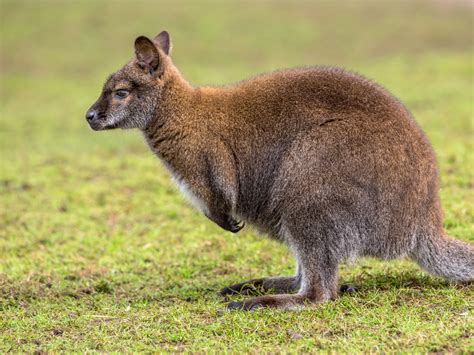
(91, 115)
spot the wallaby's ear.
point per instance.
(163, 40)
(147, 54)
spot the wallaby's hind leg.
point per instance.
(314, 289)
(318, 284)
(267, 284)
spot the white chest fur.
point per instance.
(197, 202)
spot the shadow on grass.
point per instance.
(400, 280)
(18, 293)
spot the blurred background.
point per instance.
(83, 209)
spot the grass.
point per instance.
(98, 252)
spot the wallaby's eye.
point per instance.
(121, 94)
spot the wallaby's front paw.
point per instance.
(234, 225)
(226, 222)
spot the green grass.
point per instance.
(98, 251)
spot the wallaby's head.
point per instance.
(130, 97)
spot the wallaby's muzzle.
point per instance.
(93, 118)
(90, 115)
(96, 116)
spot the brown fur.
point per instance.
(319, 158)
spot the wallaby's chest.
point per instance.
(188, 191)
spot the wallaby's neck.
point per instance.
(177, 99)
(180, 117)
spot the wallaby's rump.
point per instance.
(322, 159)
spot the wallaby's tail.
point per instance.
(445, 256)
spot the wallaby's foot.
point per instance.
(263, 285)
(348, 288)
(276, 301)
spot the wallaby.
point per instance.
(319, 158)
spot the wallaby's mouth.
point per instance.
(96, 126)
(101, 125)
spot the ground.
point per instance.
(99, 252)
